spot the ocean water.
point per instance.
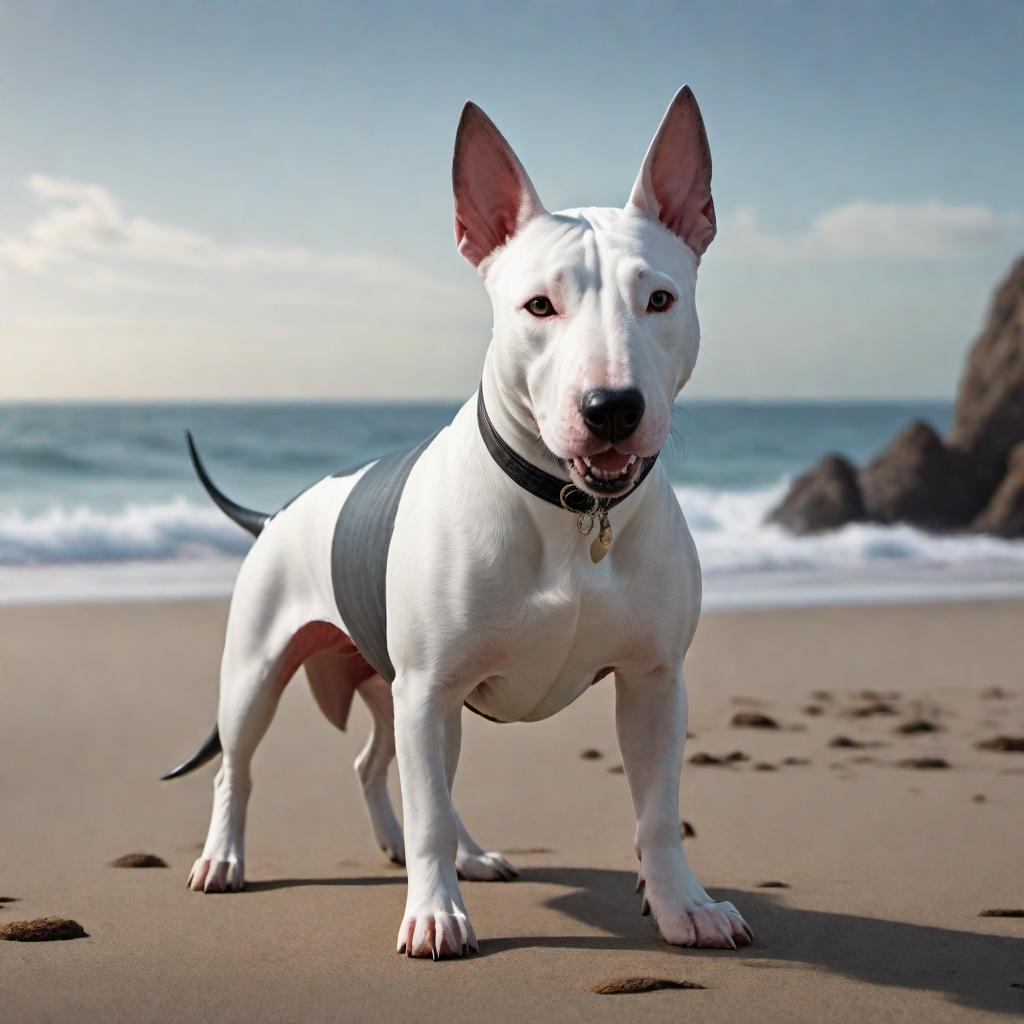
(107, 489)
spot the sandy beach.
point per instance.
(887, 866)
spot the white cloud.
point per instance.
(83, 236)
(865, 230)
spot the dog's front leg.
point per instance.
(428, 733)
(650, 716)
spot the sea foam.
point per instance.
(731, 534)
(171, 530)
(728, 527)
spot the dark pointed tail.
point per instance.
(250, 520)
(247, 518)
(208, 750)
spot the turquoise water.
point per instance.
(105, 456)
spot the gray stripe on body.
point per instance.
(359, 553)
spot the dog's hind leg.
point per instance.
(257, 664)
(372, 768)
(372, 764)
(248, 700)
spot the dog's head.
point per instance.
(595, 325)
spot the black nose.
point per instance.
(612, 415)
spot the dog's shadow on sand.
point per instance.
(975, 971)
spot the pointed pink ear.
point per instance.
(674, 185)
(494, 198)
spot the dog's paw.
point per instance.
(394, 850)
(210, 875)
(485, 867)
(437, 934)
(711, 925)
(386, 829)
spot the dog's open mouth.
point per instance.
(608, 473)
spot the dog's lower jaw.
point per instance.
(598, 488)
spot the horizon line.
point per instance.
(441, 400)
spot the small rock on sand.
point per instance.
(630, 986)
(1002, 912)
(846, 743)
(764, 766)
(878, 707)
(702, 758)
(773, 885)
(734, 758)
(754, 720)
(995, 693)
(979, 798)
(925, 762)
(43, 929)
(1006, 744)
(814, 709)
(590, 754)
(687, 831)
(917, 727)
(796, 761)
(139, 860)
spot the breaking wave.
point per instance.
(728, 526)
(732, 536)
(172, 530)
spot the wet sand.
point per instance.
(888, 867)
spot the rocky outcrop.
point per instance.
(966, 481)
(990, 405)
(824, 498)
(919, 480)
(1003, 516)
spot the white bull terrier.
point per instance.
(511, 561)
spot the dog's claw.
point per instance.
(645, 907)
(209, 875)
(437, 934)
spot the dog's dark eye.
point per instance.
(659, 301)
(540, 306)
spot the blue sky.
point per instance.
(228, 200)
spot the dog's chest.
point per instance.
(569, 636)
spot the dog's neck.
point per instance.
(514, 422)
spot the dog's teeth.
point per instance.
(632, 459)
(586, 460)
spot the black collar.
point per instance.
(539, 483)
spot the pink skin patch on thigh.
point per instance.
(334, 666)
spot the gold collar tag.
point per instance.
(597, 512)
